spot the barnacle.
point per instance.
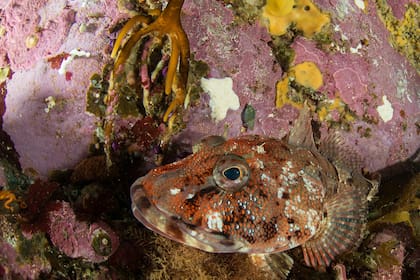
(101, 242)
(9, 197)
(168, 25)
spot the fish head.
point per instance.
(238, 195)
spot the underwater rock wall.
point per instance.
(359, 71)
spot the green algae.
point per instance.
(35, 246)
(16, 180)
(246, 11)
(95, 96)
(282, 50)
(198, 70)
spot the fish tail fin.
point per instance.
(342, 228)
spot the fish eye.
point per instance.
(231, 172)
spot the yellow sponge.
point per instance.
(278, 15)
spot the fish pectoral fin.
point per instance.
(273, 265)
(280, 263)
(341, 229)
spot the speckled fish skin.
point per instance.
(255, 194)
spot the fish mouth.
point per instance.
(174, 228)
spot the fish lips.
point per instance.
(172, 227)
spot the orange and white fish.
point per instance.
(255, 194)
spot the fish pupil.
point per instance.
(232, 173)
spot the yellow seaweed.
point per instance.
(167, 24)
(9, 197)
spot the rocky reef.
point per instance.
(76, 132)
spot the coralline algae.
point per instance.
(94, 242)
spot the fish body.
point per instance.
(256, 194)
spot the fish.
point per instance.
(260, 195)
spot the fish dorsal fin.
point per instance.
(342, 228)
(340, 153)
(209, 142)
(301, 134)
